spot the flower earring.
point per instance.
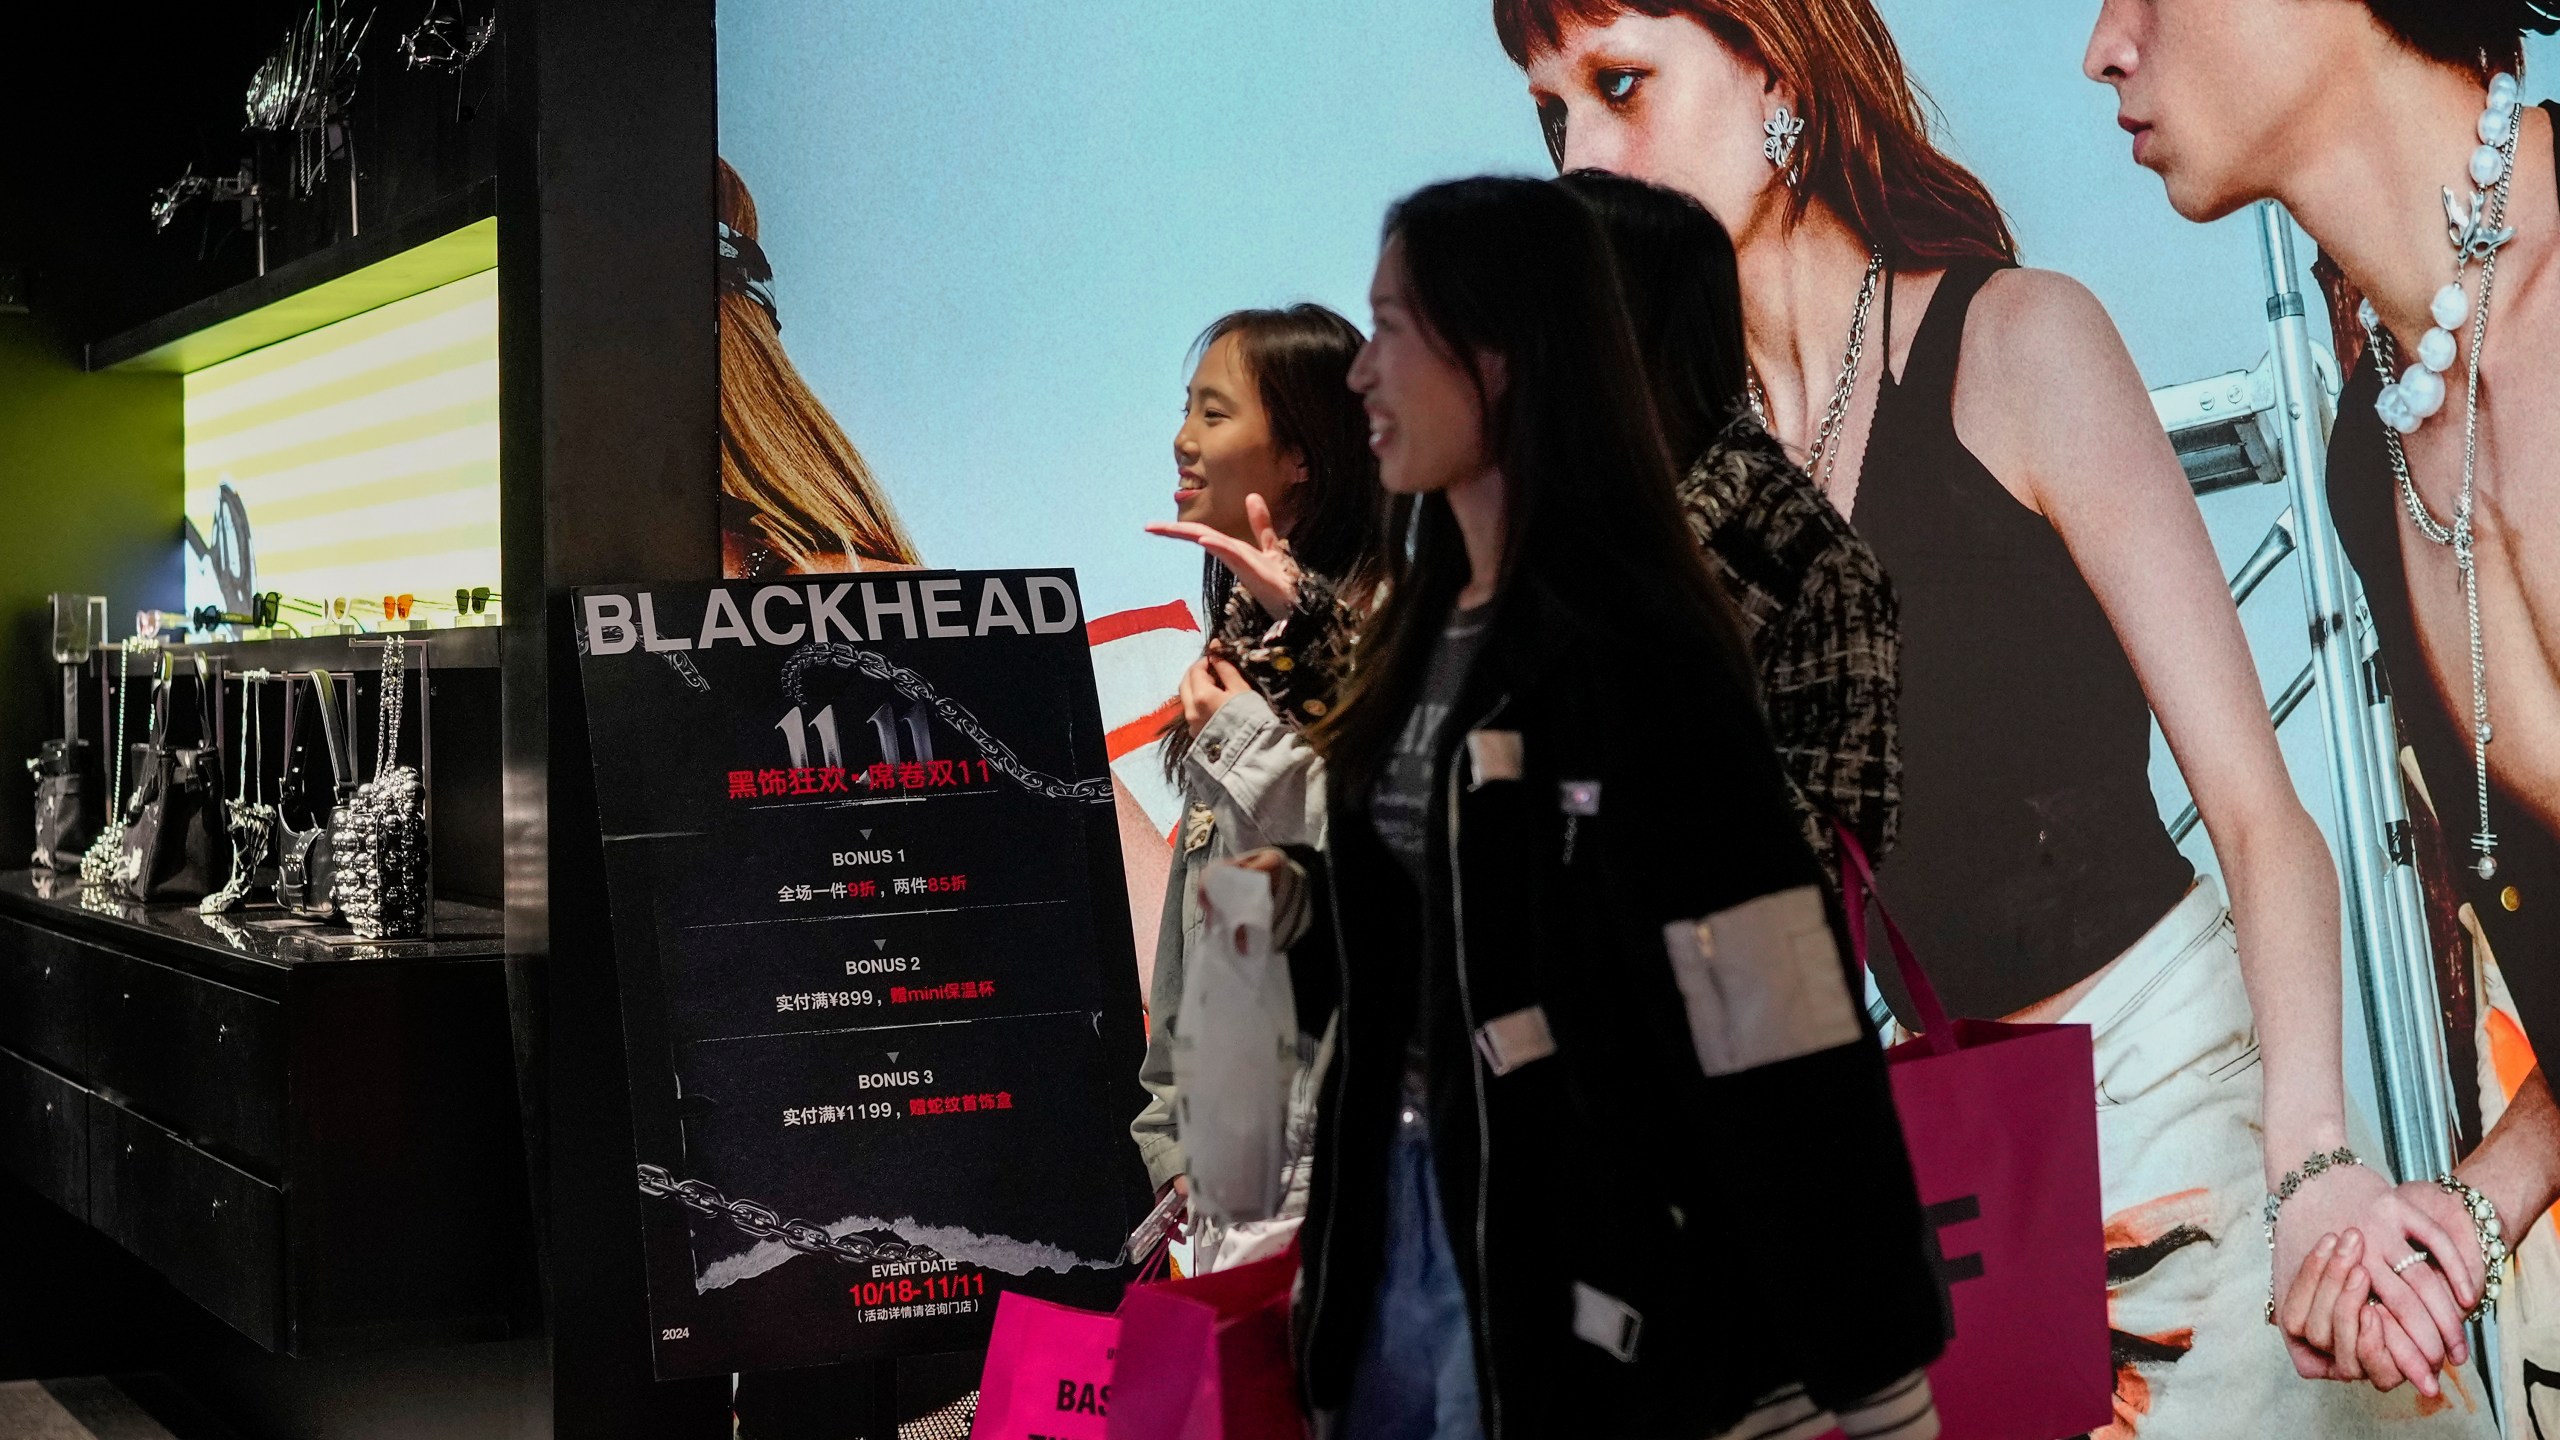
(1782, 130)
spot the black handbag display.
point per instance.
(175, 846)
(63, 826)
(306, 859)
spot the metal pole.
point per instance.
(2386, 929)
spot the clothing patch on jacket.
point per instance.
(1762, 982)
(1508, 1042)
(1606, 1321)
(1198, 825)
(1492, 755)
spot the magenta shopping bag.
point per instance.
(1048, 1372)
(2002, 1125)
(1208, 1358)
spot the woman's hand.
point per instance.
(1206, 688)
(2364, 1227)
(1264, 568)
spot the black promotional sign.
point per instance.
(880, 1005)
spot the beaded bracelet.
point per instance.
(2310, 1170)
(2493, 1245)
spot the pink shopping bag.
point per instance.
(2002, 1125)
(1048, 1372)
(1208, 1358)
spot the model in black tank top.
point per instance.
(2519, 908)
(2032, 850)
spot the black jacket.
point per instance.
(1647, 1250)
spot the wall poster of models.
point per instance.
(2116, 426)
(877, 994)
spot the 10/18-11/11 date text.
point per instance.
(907, 1291)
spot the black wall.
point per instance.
(104, 104)
(598, 118)
(610, 426)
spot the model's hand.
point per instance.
(2458, 1256)
(2419, 1324)
(2309, 1310)
(1264, 567)
(1206, 688)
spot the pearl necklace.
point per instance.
(2476, 235)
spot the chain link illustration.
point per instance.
(874, 666)
(705, 1198)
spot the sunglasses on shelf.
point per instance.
(396, 607)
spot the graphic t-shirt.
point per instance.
(1400, 805)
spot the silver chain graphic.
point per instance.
(874, 666)
(704, 1198)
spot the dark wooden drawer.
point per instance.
(215, 1230)
(42, 1002)
(44, 1139)
(204, 1059)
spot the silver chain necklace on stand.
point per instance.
(98, 865)
(249, 818)
(1818, 460)
(2475, 235)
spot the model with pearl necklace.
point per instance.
(2476, 234)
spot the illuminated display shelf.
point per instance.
(468, 647)
(340, 417)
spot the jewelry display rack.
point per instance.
(292, 661)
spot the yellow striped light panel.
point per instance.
(364, 454)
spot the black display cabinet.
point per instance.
(323, 1184)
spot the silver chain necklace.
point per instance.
(98, 866)
(2480, 238)
(1818, 461)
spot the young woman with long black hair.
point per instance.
(1598, 1074)
(1277, 484)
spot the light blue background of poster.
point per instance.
(997, 225)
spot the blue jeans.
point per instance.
(1417, 1375)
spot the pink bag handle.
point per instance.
(1857, 882)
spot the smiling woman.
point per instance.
(1550, 768)
(1277, 485)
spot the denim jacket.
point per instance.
(1250, 780)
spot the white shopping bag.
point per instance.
(1235, 1046)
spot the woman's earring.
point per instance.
(1780, 148)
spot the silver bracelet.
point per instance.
(2294, 1179)
(2493, 1244)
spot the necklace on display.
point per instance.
(1818, 460)
(98, 866)
(2476, 234)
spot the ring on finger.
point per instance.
(2417, 1256)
